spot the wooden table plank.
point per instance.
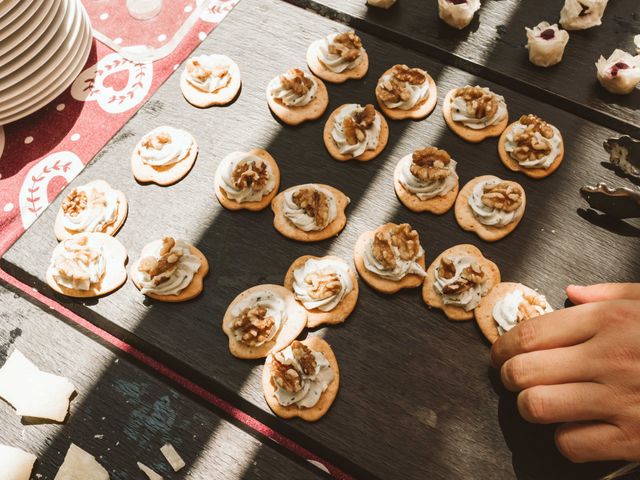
(494, 47)
(407, 373)
(122, 414)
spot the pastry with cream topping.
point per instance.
(531, 146)
(164, 156)
(210, 80)
(404, 92)
(490, 207)
(87, 265)
(262, 320)
(390, 258)
(475, 113)
(458, 13)
(620, 73)
(507, 305)
(302, 380)
(327, 287)
(92, 207)
(546, 44)
(310, 212)
(338, 57)
(170, 270)
(296, 97)
(354, 132)
(426, 181)
(247, 180)
(458, 279)
(582, 14)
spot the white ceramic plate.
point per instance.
(25, 23)
(12, 13)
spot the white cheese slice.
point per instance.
(80, 465)
(15, 464)
(172, 457)
(148, 472)
(32, 392)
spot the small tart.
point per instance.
(315, 316)
(375, 281)
(75, 203)
(316, 412)
(190, 291)
(484, 311)
(467, 220)
(295, 115)
(288, 331)
(287, 228)
(254, 206)
(222, 96)
(466, 133)
(421, 110)
(513, 165)
(321, 70)
(332, 148)
(164, 175)
(432, 297)
(115, 273)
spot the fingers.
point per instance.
(561, 328)
(593, 441)
(548, 367)
(603, 291)
(571, 402)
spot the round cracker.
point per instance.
(289, 329)
(383, 138)
(326, 399)
(436, 205)
(470, 134)
(191, 291)
(296, 115)
(114, 276)
(467, 220)
(165, 175)
(63, 233)
(377, 282)
(231, 204)
(202, 99)
(514, 166)
(317, 317)
(320, 70)
(283, 225)
(420, 111)
(433, 298)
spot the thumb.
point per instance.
(603, 291)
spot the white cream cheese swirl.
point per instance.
(312, 385)
(460, 114)
(79, 264)
(401, 269)
(298, 216)
(417, 93)
(174, 281)
(506, 311)
(302, 288)
(470, 298)
(430, 189)
(486, 215)
(157, 154)
(101, 208)
(554, 143)
(372, 134)
(334, 61)
(220, 68)
(276, 309)
(248, 194)
(287, 96)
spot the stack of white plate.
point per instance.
(44, 45)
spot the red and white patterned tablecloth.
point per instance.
(41, 153)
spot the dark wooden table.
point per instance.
(418, 399)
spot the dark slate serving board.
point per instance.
(123, 414)
(494, 46)
(409, 376)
